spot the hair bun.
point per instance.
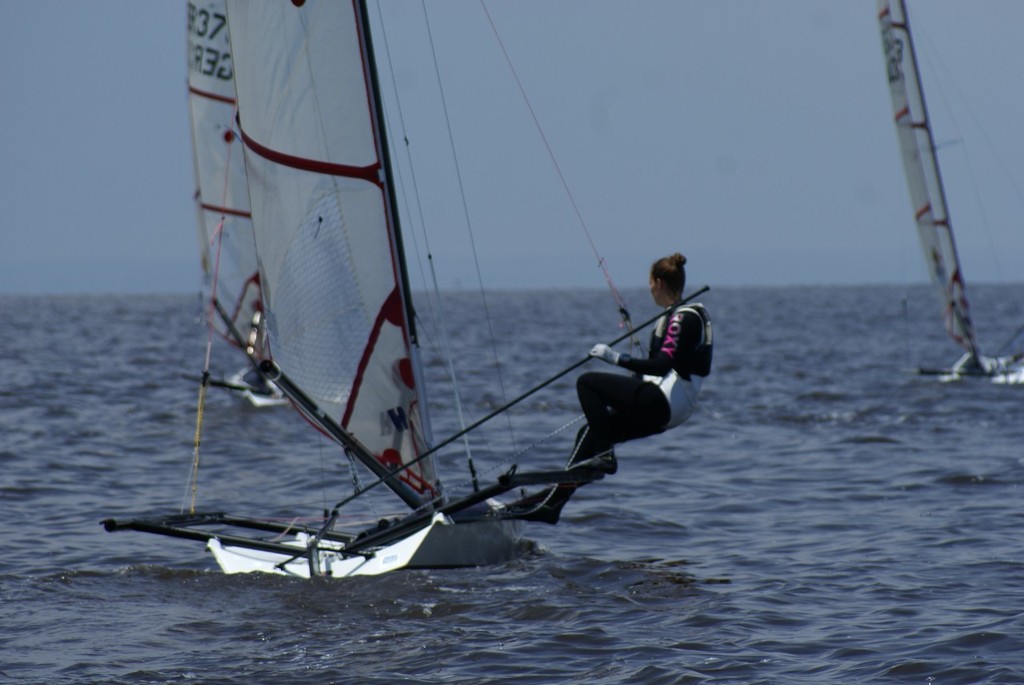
(679, 259)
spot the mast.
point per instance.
(921, 168)
(376, 103)
(373, 78)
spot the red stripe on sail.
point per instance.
(390, 312)
(226, 210)
(924, 210)
(211, 96)
(367, 173)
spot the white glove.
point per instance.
(605, 353)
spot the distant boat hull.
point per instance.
(260, 398)
(441, 544)
(1000, 370)
(1010, 378)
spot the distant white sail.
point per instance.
(222, 196)
(337, 311)
(923, 179)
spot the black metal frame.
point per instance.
(363, 543)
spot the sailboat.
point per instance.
(226, 245)
(342, 339)
(931, 213)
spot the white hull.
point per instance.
(259, 400)
(441, 544)
(1014, 377)
(1000, 370)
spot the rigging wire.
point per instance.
(547, 437)
(218, 235)
(465, 211)
(323, 471)
(439, 316)
(502, 464)
(205, 378)
(934, 57)
(1006, 346)
(602, 263)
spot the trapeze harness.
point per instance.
(682, 342)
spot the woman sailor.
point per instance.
(662, 392)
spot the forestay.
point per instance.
(222, 198)
(333, 284)
(921, 168)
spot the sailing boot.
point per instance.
(544, 506)
(585, 453)
(603, 461)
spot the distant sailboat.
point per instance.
(226, 244)
(341, 332)
(927, 194)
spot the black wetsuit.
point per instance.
(619, 407)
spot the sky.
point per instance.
(755, 137)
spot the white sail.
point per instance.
(341, 340)
(332, 275)
(922, 171)
(226, 243)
